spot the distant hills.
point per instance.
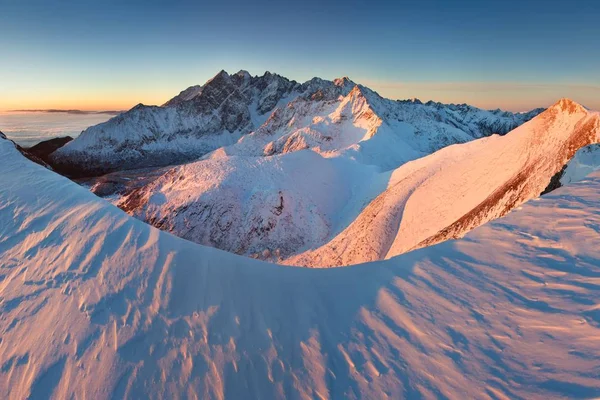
(53, 110)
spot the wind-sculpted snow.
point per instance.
(322, 206)
(283, 116)
(95, 304)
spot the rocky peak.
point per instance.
(323, 90)
(569, 106)
(356, 92)
(412, 100)
(269, 78)
(344, 82)
(243, 73)
(184, 95)
(272, 88)
(241, 78)
(219, 79)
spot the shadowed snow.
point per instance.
(96, 304)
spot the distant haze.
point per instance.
(29, 128)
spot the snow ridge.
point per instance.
(95, 304)
(229, 107)
(286, 207)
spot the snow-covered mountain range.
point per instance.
(317, 202)
(96, 304)
(281, 116)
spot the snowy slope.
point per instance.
(283, 116)
(324, 206)
(460, 187)
(198, 120)
(586, 160)
(96, 304)
(266, 207)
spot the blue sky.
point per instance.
(90, 54)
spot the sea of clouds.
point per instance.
(28, 128)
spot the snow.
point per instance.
(586, 160)
(348, 141)
(96, 304)
(232, 107)
(340, 205)
(247, 205)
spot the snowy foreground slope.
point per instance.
(96, 304)
(326, 207)
(281, 116)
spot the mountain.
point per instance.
(447, 194)
(228, 108)
(96, 304)
(328, 203)
(586, 161)
(44, 148)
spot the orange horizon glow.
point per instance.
(487, 95)
(90, 98)
(91, 104)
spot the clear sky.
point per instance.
(513, 54)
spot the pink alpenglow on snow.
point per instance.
(334, 203)
(96, 304)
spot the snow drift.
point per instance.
(96, 304)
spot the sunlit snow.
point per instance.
(96, 304)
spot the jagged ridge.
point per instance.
(228, 200)
(228, 107)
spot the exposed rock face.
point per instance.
(228, 107)
(193, 123)
(47, 147)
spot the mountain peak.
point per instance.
(569, 106)
(356, 91)
(243, 74)
(343, 81)
(220, 76)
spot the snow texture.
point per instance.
(317, 202)
(96, 304)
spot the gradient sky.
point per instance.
(114, 54)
